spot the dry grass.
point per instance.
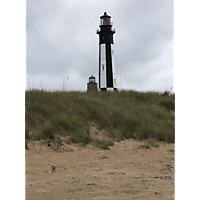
(125, 114)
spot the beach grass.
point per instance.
(123, 114)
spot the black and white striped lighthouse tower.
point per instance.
(107, 74)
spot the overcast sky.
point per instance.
(62, 42)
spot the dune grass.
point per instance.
(124, 114)
(104, 144)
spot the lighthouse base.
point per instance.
(108, 89)
(92, 87)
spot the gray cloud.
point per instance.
(62, 42)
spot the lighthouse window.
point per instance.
(107, 21)
(103, 67)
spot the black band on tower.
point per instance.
(109, 66)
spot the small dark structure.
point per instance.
(92, 85)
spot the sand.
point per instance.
(126, 171)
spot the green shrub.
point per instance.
(170, 137)
(104, 144)
(80, 138)
(47, 133)
(169, 104)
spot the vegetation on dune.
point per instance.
(124, 114)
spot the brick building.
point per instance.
(92, 85)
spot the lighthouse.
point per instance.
(107, 73)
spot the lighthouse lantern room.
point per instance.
(92, 85)
(107, 73)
